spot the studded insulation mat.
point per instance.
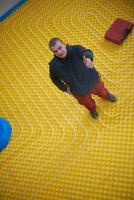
(57, 151)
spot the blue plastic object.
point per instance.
(5, 133)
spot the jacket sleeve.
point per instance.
(56, 80)
(82, 51)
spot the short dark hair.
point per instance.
(53, 41)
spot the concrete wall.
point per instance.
(8, 6)
(5, 5)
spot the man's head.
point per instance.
(58, 47)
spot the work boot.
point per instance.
(111, 98)
(94, 114)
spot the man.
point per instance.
(72, 71)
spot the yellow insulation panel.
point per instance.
(57, 151)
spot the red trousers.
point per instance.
(88, 101)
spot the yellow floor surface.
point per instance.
(57, 151)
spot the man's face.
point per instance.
(59, 49)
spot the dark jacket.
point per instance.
(72, 72)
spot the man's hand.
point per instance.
(88, 62)
(68, 90)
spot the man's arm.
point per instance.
(87, 56)
(57, 81)
(82, 51)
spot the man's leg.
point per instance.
(101, 91)
(89, 103)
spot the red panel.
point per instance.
(118, 31)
